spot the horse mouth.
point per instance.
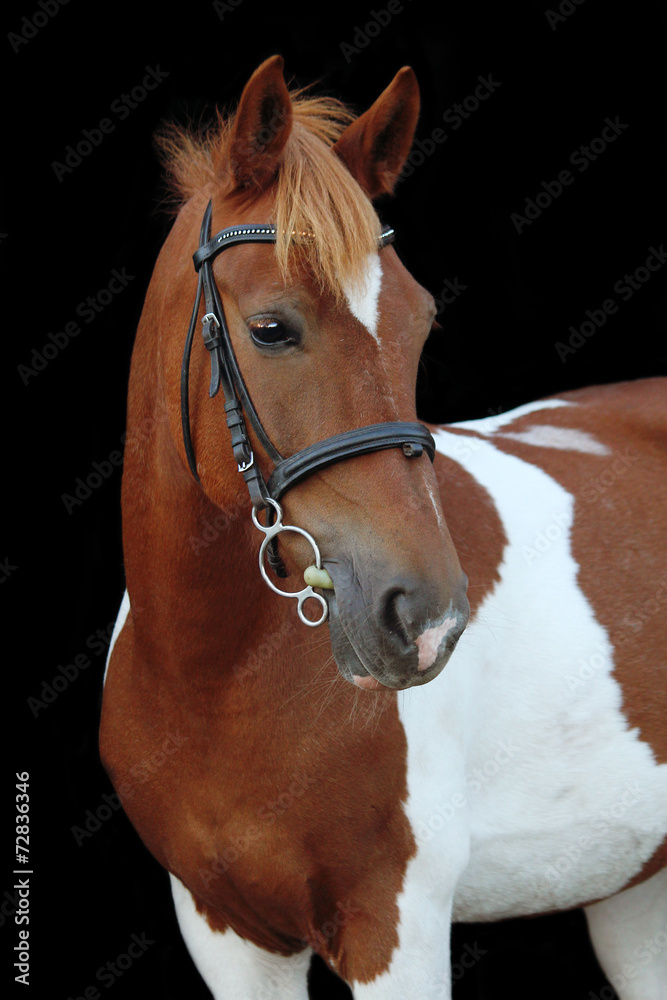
(353, 661)
(368, 683)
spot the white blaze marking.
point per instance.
(362, 296)
(429, 641)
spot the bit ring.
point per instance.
(301, 596)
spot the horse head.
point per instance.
(327, 328)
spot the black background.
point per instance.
(61, 239)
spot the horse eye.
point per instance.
(268, 332)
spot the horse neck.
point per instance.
(191, 566)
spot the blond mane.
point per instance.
(314, 191)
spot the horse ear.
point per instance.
(261, 128)
(375, 147)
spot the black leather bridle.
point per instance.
(412, 438)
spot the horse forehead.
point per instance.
(252, 272)
(381, 282)
(382, 289)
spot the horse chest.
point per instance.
(523, 772)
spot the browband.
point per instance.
(259, 234)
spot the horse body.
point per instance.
(556, 680)
(298, 812)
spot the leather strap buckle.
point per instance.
(211, 325)
(244, 466)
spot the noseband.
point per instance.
(412, 438)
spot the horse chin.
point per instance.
(352, 668)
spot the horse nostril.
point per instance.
(392, 618)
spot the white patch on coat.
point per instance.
(123, 612)
(420, 967)
(629, 934)
(235, 968)
(540, 435)
(562, 438)
(363, 296)
(489, 425)
(526, 793)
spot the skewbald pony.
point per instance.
(321, 163)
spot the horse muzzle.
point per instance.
(393, 632)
